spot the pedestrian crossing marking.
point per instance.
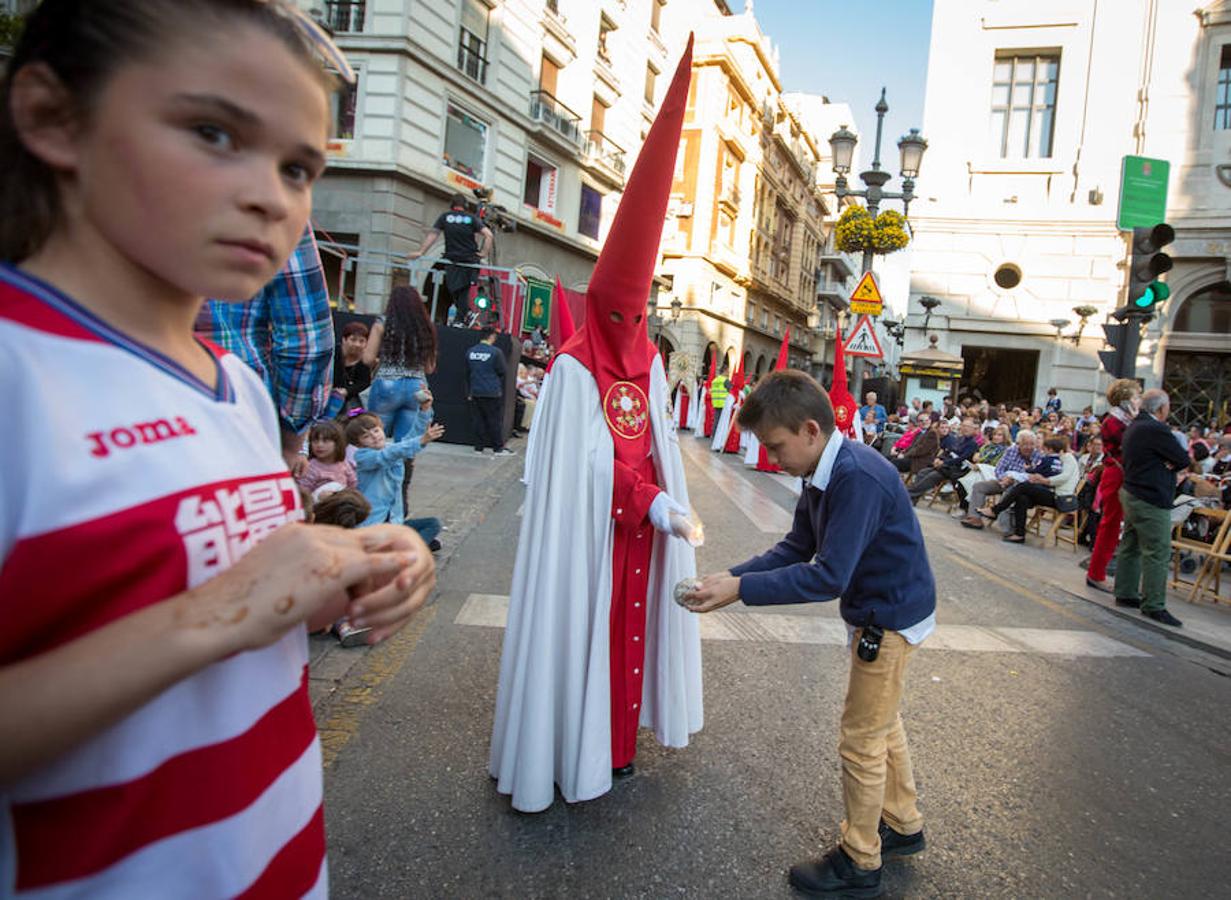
(491, 611)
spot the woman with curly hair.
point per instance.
(1123, 400)
(406, 339)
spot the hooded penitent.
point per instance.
(614, 342)
(736, 401)
(595, 646)
(845, 411)
(763, 463)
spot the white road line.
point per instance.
(491, 611)
(763, 512)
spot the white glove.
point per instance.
(671, 518)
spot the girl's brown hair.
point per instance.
(329, 431)
(346, 508)
(84, 43)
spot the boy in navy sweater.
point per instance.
(855, 537)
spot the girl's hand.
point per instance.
(427, 404)
(299, 574)
(386, 602)
(434, 433)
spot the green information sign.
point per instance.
(537, 308)
(1143, 192)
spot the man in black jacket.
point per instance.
(1152, 456)
(485, 368)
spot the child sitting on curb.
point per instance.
(327, 458)
(345, 508)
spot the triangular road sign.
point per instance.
(867, 289)
(866, 298)
(862, 340)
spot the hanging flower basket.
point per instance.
(858, 232)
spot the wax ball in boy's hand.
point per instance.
(434, 433)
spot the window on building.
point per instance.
(590, 216)
(605, 28)
(750, 313)
(715, 294)
(598, 115)
(343, 103)
(1024, 105)
(333, 261)
(540, 187)
(656, 15)
(651, 75)
(465, 143)
(764, 320)
(1222, 100)
(472, 40)
(549, 75)
(777, 324)
(344, 15)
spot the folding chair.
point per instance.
(1217, 552)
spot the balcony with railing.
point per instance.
(345, 16)
(470, 59)
(556, 116)
(605, 152)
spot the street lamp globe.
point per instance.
(677, 305)
(911, 146)
(842, 145)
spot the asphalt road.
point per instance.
(1059, 749)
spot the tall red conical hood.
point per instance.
(783, 351)
(620, 283)
(845, 410)
(562, 326)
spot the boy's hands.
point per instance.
(434, 433)
(716, 591)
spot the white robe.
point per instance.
(753, 451)
(722, 426)
(696, 408)
(553, 703)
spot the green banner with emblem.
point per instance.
(537, 309)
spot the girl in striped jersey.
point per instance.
(154, 580)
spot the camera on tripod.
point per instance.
(493, 215)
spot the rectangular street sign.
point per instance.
(1143, 192)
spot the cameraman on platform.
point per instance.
(459, 226)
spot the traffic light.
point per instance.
(1145, 291)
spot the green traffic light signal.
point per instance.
(1155, 293)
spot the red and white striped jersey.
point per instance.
(124, 480)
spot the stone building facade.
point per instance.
(543, 102)
(1031, 108)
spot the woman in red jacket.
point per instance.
(1124, 399)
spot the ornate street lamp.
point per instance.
(911, 147)
(1059, 325)
(1085, 312)
(928, 304)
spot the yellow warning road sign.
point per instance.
(866, 298)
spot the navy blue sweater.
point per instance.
(858, 539)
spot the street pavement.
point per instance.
(1060, 748)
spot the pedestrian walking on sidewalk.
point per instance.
(856, 537)
(1152, 456)
(485, 368)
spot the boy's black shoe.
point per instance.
(894, 844)
(1131, 602)
(835, 876)
(1161, 615)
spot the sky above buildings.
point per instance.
(849, 49)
